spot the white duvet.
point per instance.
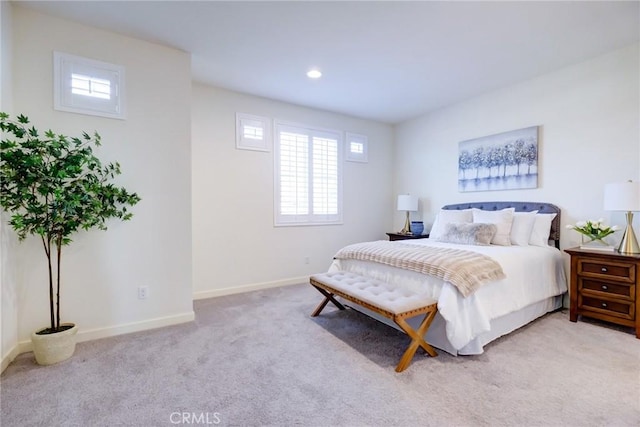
(533, 274)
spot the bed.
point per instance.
(534, 280)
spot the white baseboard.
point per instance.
(94, 334)
(98, 333)
(249, 288)
(8, 358)
(145, 325)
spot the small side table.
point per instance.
(604, 285)
(398, 236)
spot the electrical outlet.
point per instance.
(143, 292)
(306, 260)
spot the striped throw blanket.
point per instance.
(466, 270)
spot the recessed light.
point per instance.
(314, 74)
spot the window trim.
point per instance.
(310, 218)
(356, 157)
(263, 144)
(65, 100)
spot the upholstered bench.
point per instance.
(384, 299)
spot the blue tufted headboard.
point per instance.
(520, 207)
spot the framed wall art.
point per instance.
(505, 161)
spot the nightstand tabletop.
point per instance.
(400, 236)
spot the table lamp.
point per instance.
(624, 196)
(407, 203)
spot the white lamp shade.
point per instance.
(407, 202)
(622, 196)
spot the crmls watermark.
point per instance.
(195, 418)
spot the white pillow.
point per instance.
(541, 230)
(502, 219)
(521, 227)
(445, 217)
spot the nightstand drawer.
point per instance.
(624, 310)
(610, 270)
(610, 289)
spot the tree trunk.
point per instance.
(47, 250)
(59, 248)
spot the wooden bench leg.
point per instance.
(327, 297)
(417, 339)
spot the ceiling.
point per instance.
(384, 61)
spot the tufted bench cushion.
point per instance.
(374, 292)
(382, 298)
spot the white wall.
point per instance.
(5, 56)
(102, 270)
(8, 285)
(589, 116)
(235, 244)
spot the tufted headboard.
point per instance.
(520, 207)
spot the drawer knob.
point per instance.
(605, 287)
(604, 304)
(603, 269)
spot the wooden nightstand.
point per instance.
(398, 236)
(604, 285)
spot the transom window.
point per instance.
(253, 132)
(357, 147)
(88, 86)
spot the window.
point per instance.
(253, 132)
(86, 86)
(308, 176)
(90, 86)
(356, 148)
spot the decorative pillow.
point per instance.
(541, 230)
(502, 219)
(521, 227)
(445, 217)
(470, 233)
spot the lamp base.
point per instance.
(407, 226)
(629, 242)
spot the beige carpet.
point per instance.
(258, 359)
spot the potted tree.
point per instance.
(52, 186)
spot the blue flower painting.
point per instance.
(505, 161)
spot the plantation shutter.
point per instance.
(308, 184)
